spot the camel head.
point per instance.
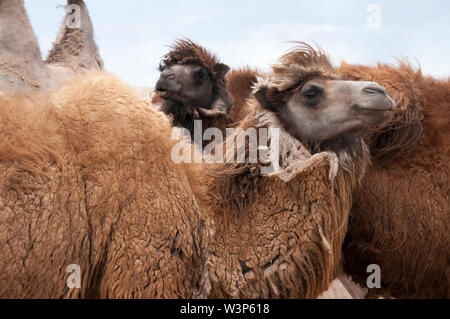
(314, 105)
(186, 84)
(190, 76)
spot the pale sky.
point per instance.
(133, 35)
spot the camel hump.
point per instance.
(16, 34)
(75, 46)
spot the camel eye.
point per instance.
(201, 75)
(312, 95)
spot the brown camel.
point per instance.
(280, 236)
(89, 175)
(239, 83)
(86, 179)
(400, 219)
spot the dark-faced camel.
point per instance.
(192, 87)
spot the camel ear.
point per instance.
(264, 95)
(261, 97)
(220, 70)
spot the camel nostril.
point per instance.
(160, 86)
(375, 89)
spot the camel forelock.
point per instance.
(299, 65)
(185, 51)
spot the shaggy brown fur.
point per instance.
(401, 214)
(280, 236)
(86, 178)
(189, 52)
(239, 84)
(285, 239)
(214, 108)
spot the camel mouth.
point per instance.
(372, 118)
(162, 94)
(384, 107)
(376, 113)
(367, 118)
